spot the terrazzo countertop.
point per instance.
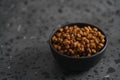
(25, 26)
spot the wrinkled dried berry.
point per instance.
(78, 42)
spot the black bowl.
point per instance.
(77, 64)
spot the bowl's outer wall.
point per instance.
(76, 64)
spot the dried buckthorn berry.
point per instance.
(78, 42)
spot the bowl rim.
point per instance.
(50, 43)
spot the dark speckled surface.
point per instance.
(25, 26)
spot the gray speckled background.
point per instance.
(25, 26)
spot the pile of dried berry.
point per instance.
(78, 41)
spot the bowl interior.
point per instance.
(80, 25)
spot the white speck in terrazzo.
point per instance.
(61, 1)
(9, 67)
(107, 76)
(32, 37)
(24, 37)
(24, 8)
(11, 57)
(36, 72)
(12, 6)
(1, 46)
(8, 25)
(19, 28)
